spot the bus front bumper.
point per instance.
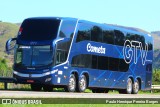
(44, 78)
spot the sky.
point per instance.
(144, 14)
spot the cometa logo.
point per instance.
(95, 49)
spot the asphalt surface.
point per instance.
(33, 94)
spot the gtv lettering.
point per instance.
(130, 51)
(95, 49)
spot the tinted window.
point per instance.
(119, 38)
(103, 63)
(100, 62)
(66, 32)
(116, 64)
(82, 61)
(39, 29)
(123, 66)
(96, 34)
(94, 62)
(149, 41)
(33, 56)
(130, 37)
(84, 32)
(139, 38)
(62, 52)
(108, 37)
(113, 64)
(67, 29)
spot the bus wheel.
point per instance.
(135, 87)
(82, 84)
(72, 84)
(36, 87)
(129, 86)
(47, 88)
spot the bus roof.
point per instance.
(58, 18)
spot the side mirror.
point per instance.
(10, 44)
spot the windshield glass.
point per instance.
(33, 56)
(39, 29)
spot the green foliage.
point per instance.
(4, 69)
(156, 77)
(7, 31)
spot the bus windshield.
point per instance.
(39, 29)
(33, 56)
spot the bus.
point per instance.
(74, 54)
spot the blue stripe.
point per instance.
(117, 80)
(108, 79)
(98, 78)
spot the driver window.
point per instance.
(62, 52)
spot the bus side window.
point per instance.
(84, 32)
(60, 56)
(94, 62)
(102, 63)
(108, 37)
(61, 52)
(82, 61)
(96, 34)
(119, 38)
(67, 29)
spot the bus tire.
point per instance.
(135, 87)
(129, 86)
(71, 87)
(36, 87)
(128, 89)
(82, 83)
(48, 88)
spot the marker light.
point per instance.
(20, 31)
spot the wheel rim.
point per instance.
(72, 84)
(129, 86)
(82, 83)
(136, 86)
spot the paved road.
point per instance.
(22, 94)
